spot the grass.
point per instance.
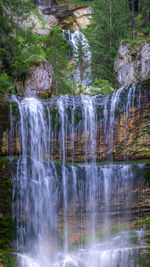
(136, 41)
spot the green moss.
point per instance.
(5, 231)
(136, 42)
(78, 116)
(54, 115)
(36, 60)
(4, 113)
(148, 131)
(69, 114)
(7, 258)
(45, 95)
(6, 226)
(15, 109)
(39, 17)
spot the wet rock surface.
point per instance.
(130, 127)
(133, 62)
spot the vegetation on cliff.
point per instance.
(19, 45)
(112, 23)
(5, 204)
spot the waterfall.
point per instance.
(36, 180)
(58, 204)
(81, 55)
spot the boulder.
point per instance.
(83, 21)
(37, 23)
(51, 19)
(133, 62)
(40, 79)
(82, 17)
(83, 12)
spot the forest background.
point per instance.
(113, 22)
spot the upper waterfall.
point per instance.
(80, 55)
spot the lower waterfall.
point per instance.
(69, 214)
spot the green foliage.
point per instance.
(148, 131)
(111, 23)
(81, 57)
(39, 16)
(103, 85)
(7, 258)
(20, 48)
(5, 204)
(56, 53)
(13, 41)
(142, 22)
(5, 83)
(104, 34)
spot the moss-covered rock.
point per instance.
(6, 226)
(7, 258)
(4, 124)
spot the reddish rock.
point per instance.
(40, 80)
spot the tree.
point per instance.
(19, 47)
(12, 15)
(56, 53)
(109, 25)
(142, 20)
(134, 6)
(81, 56)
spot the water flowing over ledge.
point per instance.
(57, 206)
(86, 129)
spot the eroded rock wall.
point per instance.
(69, 16)
(133, 62)
(128, 138)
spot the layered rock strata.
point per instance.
(122, 133)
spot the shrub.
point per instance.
(5, 83)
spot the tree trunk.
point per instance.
(110, 21)
(133, 20)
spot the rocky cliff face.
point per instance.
(70, 16)
(39, 80)
(44, 4)
(122, 133)
(133, 62)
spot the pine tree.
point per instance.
(82, 56)
(56, 53)
(109, 26)
(12, 15)
(134, 6)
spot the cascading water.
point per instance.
(81, 56)
(36, 180)
(59, 205)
